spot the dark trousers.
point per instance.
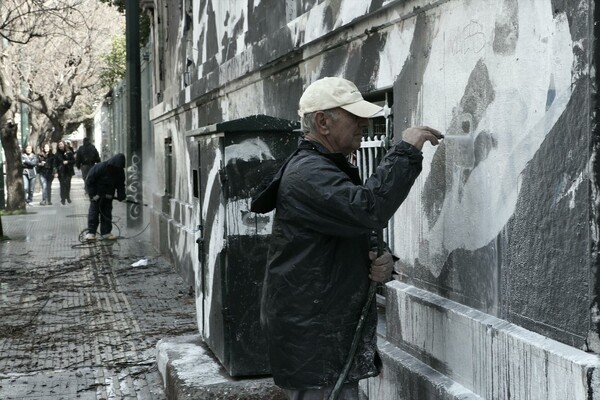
(84, 170)
(65, 187)
(100, 213)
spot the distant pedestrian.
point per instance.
(46, 169)
(104, 181)
(29, 161)
(65, 158)
(86, 157)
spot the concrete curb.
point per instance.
(190, 371)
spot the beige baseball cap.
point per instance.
(332, 92)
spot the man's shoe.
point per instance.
(90, 236)
(69, 201)
(49, 203)
(43, 203)
(108, 236)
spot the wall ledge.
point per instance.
(489, 356)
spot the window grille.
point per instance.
(374, 145)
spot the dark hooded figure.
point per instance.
(86, 157)
(105, 181)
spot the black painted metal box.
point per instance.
(230, 160)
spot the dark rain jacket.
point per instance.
(86, 155)
(107, 177)
(316, 281)
(65, 170)
(49, 159)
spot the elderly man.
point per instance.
(319, 262)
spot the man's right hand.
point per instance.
(418, 135)
(96, 197)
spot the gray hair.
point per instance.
(308, 122)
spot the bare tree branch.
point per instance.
(52, 64)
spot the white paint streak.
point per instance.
(247, 150)
(350, 10)
(520, 82)
(570, 192)
(215, 246)
(395, 52)
(210, 179)
(242, 222)
(314, 27)
(215, 237)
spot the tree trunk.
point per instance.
(15, 194)
(35, 137)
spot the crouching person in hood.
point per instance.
(104, 182)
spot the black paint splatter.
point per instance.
(363, 61)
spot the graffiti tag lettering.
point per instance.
(134, 192)
(470, 38)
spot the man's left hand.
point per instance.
(381, 267)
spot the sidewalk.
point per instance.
(79, 322)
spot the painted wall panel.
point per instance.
(501, 217)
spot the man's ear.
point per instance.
(321, 123)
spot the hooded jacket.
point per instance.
(87, 154)
(107, 177)
(316, 281)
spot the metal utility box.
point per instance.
(231, 159)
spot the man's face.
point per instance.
(345, 131)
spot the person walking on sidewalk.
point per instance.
(46, 169)
(86, 157)
(319, 266)
(29, 161)
(65, 158)
(105, 181)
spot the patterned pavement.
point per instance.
(78, 321)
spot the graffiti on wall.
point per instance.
(498, 80)
(134, 188)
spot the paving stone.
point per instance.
(78, 321)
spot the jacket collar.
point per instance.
(338, 158)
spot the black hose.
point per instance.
(359, 328)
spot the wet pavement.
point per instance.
(78, 321)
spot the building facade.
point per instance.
(497, 295)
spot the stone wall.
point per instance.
(503, 217)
